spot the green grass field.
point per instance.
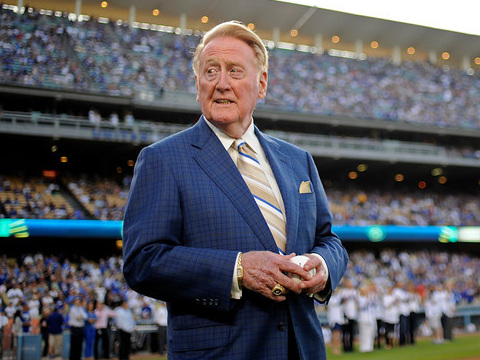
(465, 347)
(462, 348)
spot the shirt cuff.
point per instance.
(323, 295)
(236, 292)
(323, 263)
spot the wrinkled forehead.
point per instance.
(227, 46)
(228, 50)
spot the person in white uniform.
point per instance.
(336, 320)
(366, 320)
(391, 316)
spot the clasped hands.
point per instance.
(262, 270)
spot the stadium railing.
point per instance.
(146, 132)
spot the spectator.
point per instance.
(14, 294)
(94, 117)
(26, 318)
(18, 323)
(3, 320)
(129, 119)
(349, 297)
(402, 301)
(378, 313)
(366, 319)
(146, 310)
(415, 302)
(90, 331)
(44, 330)
(76, 320)
(114, 119)
(55, 323)
(448, 305)
(103, 313)
(433, 313)
(126, 325)
(161, 318)
(391, 316)
(336, 321)
(10, 310)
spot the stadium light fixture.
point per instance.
(462, 16)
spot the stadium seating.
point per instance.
(117, 59)
(35, 198)
(104, 199)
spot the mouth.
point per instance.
(223, 102)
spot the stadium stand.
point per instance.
(43, 282)
(35, 198)
(104, 199)
(121, 60)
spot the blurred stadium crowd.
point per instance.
(399, 283)
(104, 199)
(391, 298)
(33, 287)
(51, 51)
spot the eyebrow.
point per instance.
(216, 59)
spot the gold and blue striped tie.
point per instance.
(257, 182)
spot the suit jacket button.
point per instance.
(211, 302)
(281, 326)
(198, 301)
(204, 302)
(216, 302)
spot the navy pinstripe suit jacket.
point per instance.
(189, 213)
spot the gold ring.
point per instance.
(278, 290)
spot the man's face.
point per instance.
(228, 84)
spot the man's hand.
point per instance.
(262, 270)
(318, 282)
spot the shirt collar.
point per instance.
(249, 137)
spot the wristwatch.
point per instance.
(239, 271)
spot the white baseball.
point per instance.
(301, 260)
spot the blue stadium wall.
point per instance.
(22, 228)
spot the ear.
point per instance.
(262, 85)
(196, 85)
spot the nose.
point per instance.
(223, 82)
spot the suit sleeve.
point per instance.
(157, 262)
(327, 243)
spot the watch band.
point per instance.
(239, 271)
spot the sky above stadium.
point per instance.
(459, 15)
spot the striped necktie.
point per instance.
(256, 180)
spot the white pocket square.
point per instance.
(305, 188)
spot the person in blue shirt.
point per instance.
(76, 320)
(26, 318)
(55, 323)
(90, 330)
(126, 325)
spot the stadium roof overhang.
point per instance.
(268, 14)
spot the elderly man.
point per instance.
(216, 213)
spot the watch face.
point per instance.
(240, 273)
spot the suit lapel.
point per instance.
(283, 172)
(218, 165)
